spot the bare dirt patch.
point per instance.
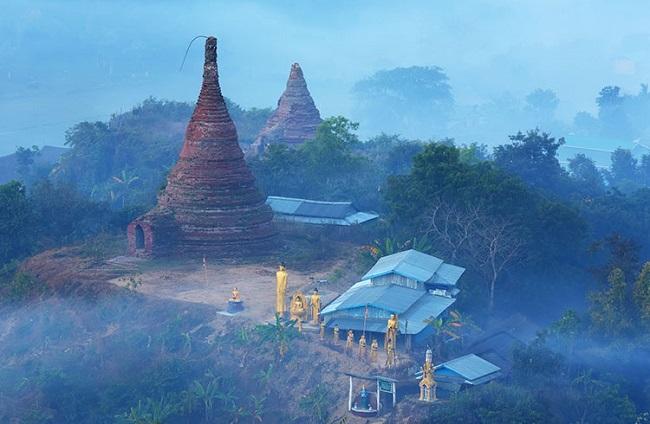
(187, 281)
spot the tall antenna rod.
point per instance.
(188, 49)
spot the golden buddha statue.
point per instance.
(235, 295)
(428, 384)
(362, 346)
(374, 347)
(315, 306)
(235, 304)
(280, 289)
(298, 308)
(392, 326)
(336, 334)
(350, 341)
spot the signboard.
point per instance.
(385, 386)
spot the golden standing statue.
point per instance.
(349, 343)
(280, 289)
(315, 306)
(428, 384)
(392, 326)
(374, 347)
(390, 356)
(362, 346)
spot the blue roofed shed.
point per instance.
(472, 369)
(318, 212)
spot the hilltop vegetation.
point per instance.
(564, 247)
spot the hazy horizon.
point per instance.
(66, 62)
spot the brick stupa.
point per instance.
(210, 204)
(295, 119)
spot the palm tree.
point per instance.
(206, 394)
(388, 246)
(151, 412)
(281, 333)
(451, 326)
(124, 181)
(259, 407)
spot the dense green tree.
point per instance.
(533, 157)
(491, 404)
(542, 104)
(644, 171)
(610, 309)
(25, 160)
(447, 200)
(142, 142)
(63, 215)
(567, 330)
(584, 172)
(611, 112)
(325, 168)
(585, 124)
(623, 170)
(598, 402)
(642, 294)
(16, 222)
(412, 101)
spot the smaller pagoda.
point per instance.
(294, 121)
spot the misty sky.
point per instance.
(67, 61)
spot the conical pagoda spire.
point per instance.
(210, 120)
(210, 193)
(295, 119)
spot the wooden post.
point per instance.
(350, 396)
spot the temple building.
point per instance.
(294, 121)
(410, 284)
(210, 204)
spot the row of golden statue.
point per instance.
(299, 308)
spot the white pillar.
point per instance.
(394, 394)
(378, 396)
(350, 396)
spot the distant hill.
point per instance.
(48, 156)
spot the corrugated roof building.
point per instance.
(471, 368)
(467, 370)
(318, 212)
(413, 285)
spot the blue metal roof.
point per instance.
(332, 307)
(447, 275)
(414, 307)
(472, 368)
(427, 307)
(318, 212)
(392, 298)
(409, 263)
